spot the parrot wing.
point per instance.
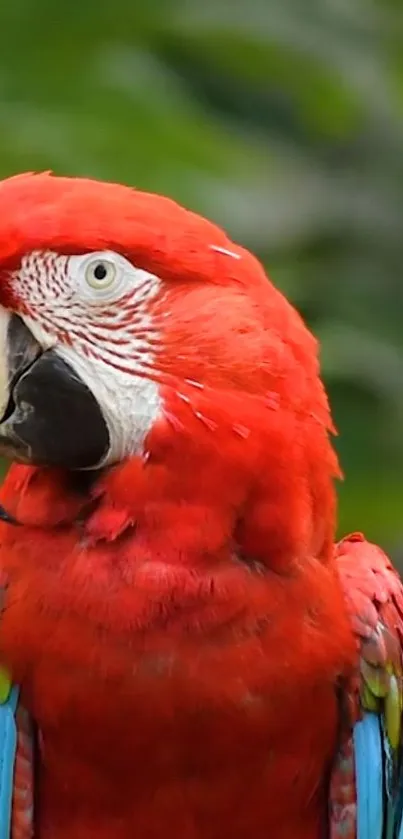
(366, 790)
(16, 764)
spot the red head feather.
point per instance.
(237, 366)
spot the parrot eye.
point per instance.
(100, 273)
(99, 277)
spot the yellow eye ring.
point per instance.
(100, 273)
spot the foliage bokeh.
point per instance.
(281, 121)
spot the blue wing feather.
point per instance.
(8, 748)
(366, 790)
(369, 758)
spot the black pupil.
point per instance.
(100, 271)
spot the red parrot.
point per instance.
(194, 656)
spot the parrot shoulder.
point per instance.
(366, 797)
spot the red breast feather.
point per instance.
(178, 627)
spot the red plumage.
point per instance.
(170, 687)
(178, 626)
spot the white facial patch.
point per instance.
(130, 404)
(94, 310)
(4, 372)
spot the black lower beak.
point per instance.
(50, 418)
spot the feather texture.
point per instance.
(369, 754)
(370, 780)
(178, 625)
(16, 766)
(22, 816)
(166, 684)
(8, 747)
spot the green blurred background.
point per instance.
(280, 119)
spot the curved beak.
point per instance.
(48, 416)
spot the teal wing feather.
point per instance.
(366, 791)
(16, 764)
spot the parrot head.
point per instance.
(133, 328)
